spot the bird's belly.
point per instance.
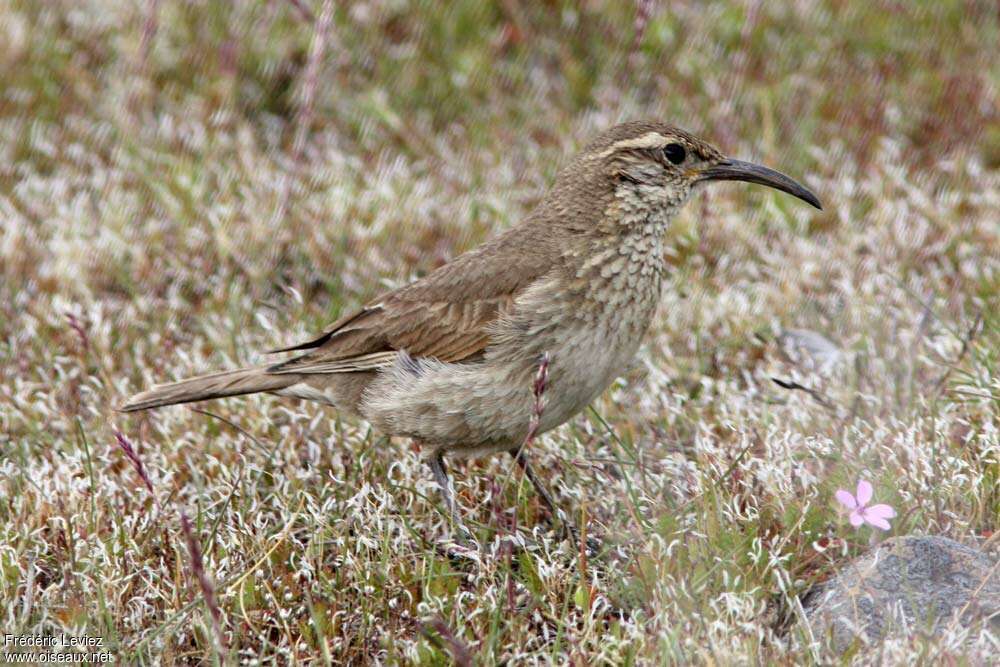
(485, 406)
(587, 363)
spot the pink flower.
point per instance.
(875, 515)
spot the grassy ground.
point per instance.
(181, 189)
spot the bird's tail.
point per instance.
(215, 385)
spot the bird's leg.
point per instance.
(569, 530)
(436, 462)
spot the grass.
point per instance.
(155, 226)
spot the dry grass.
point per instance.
(155, 225)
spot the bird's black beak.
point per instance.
(738, 170)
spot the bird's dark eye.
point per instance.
(675, 153)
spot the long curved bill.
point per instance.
(738, 170)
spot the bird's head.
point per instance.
(657, 164)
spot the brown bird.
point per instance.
(448, 360)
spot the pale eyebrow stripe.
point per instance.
(648, 140)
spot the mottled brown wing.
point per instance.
(445, 315)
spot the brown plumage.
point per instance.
(448, 359)
(205, 387)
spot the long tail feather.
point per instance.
(206, 387)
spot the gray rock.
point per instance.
(810, 349)
(903, 586)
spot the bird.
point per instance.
(448, 360)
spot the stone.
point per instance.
(904, 586)
(810, 350)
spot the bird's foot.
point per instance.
(569, 533)
(459, 546)
(591, 546)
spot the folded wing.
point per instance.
(446, 315)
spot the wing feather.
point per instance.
(446, 315)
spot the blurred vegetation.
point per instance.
(774, 74)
